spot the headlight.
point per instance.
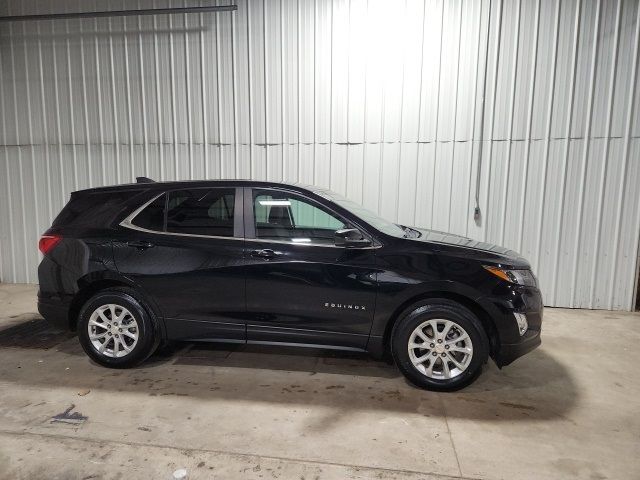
(519, 277)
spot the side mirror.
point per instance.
(351, 238)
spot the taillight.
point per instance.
(48, 242)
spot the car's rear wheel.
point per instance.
(116, 330)
(439, 345)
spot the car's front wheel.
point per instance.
(115, 329)
(439, 345)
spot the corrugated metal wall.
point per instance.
(379, 100)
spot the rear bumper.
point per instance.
(55, 310)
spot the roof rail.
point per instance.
(144, 180)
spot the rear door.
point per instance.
(185, 249)
(301, 287)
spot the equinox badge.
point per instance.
(344, 306)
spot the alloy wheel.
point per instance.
(113, 330)
(440, 349)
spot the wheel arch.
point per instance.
(89, 285)
(484, 317)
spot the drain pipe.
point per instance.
(476, 212)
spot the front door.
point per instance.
(302, 288)
(185, 250)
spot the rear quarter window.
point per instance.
(92, 209)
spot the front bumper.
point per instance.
(508, 352)
(509, 344)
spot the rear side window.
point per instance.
(92, 209)
(152, 217)
(200, 211)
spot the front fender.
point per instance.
(393, 297)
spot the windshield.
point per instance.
(368, 216)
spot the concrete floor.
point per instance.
(570, 409)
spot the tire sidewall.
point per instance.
(444, 309)
(147, 336)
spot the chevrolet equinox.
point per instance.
(130, 266)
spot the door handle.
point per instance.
(140, 244)
(266, 253)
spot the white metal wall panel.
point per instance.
(391, 104)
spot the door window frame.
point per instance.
(238, 214)
(250, 225)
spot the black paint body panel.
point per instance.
(310, 292)
(216, 289)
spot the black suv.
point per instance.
(131, 266)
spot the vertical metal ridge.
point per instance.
(493, 110)
(565, 156)
(585, 156)
(114, 102)
(455, 120)
(19, 152)
(85, 109)
(6, 160)
(219, 100)
(44, 125)
(437, 115)
(266, 89)
(364, 129)
(475, 103)
(348, 47)
(623, 182)
(547, 143)
(315, 94)
(605, 154)
(143, 101)
(58, 122)
(71, 115)
(514, 76)
(298, 69)
(203, 98)
(249, 80)
(235, 95)
(331, 38)
(8, 178)
(99, 98)
(282, 101)
(128, 97)
(404, 68)
(158, 96)
(188, 93)
(172, 86)
(381, 155)
(30, 134)
(525, 167)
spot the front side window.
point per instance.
(284, 216)
(197, 211)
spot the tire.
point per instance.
(442, 371)
(135, 322)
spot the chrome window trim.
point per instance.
(309, 244)
(313, 201)
(126, 223)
